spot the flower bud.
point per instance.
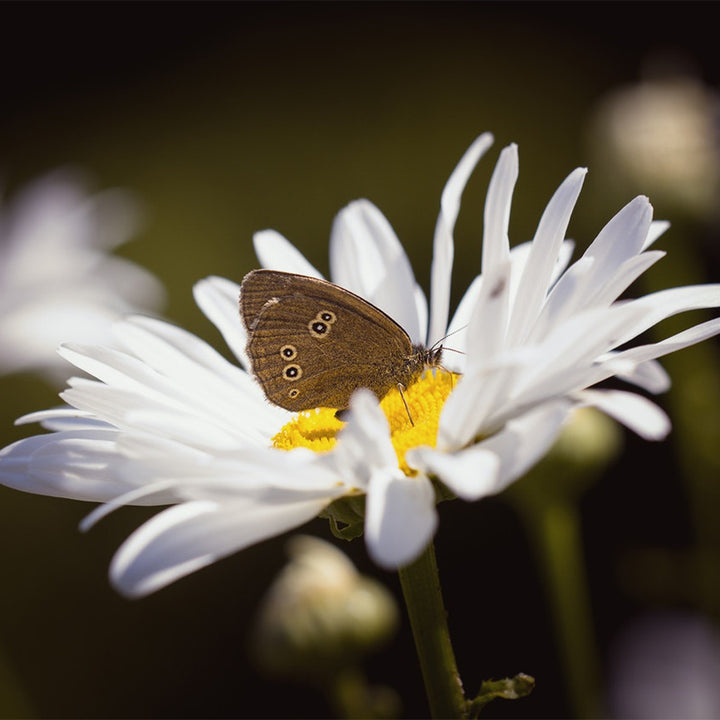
(321, 615)
(590, 438)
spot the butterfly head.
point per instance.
(433, 356)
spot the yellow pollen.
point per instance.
(317, 429)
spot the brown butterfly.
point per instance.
(312, 343)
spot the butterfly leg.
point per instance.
(401, 387)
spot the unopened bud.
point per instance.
(588, 439)
(321, 615)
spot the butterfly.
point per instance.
(313, 343)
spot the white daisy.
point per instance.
(169, 421)
(58, 282)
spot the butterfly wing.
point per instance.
(312, 343)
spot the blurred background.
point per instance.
(223, 119)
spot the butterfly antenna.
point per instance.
(401, 387)
(445, 337)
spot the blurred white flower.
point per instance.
(170, 421)
(665, 666)
(321, 614)
(663, 135)
(57, 280)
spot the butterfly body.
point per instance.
(313, 343)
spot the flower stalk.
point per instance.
(558, 537)
(428, 619)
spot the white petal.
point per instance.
(160, 345)
(585, 285)
(657, 228)
(621, 324)
(70, 464)
(525, 440)
(277, 253)
(579, 289)
(570, 346)
(218, 298)
(466, 411)
(400, 518)
(294, 470)
(367, 258)
(565, 298)
(649, 375)
(195, 474)
(421, 309)
(605, 271)
(188, 362)
(563, 260)
(110, 366)
(200, 429)
(496, 243)
(457, 330)
(625, 275)
(470, 474)
(665, 303)
(238, 386)
(128, 498)
(621, 238)
(538, 273)
(146, 459)
(487, 326)
(64, 418)
(175, 371)
(618, 362)
(364, 444)
(519, 256)
(441, 269)
(193, 535)
(634, 411)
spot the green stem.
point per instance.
(428, 619)
(559, 542)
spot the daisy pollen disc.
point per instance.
(317, 429)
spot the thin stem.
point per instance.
(428, 619)
(559, 542)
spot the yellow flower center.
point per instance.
(317, 429)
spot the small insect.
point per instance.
(313, 343)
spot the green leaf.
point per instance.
(346, 516)
(507, 689)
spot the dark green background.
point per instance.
(227, 118)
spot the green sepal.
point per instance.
(346, 516)
(442, 491)
(508, 689)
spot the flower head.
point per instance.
(57, 281)
(320, 614)
(661, 134)
(167, 420)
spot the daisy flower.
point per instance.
(58, 282)
(167, 420)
